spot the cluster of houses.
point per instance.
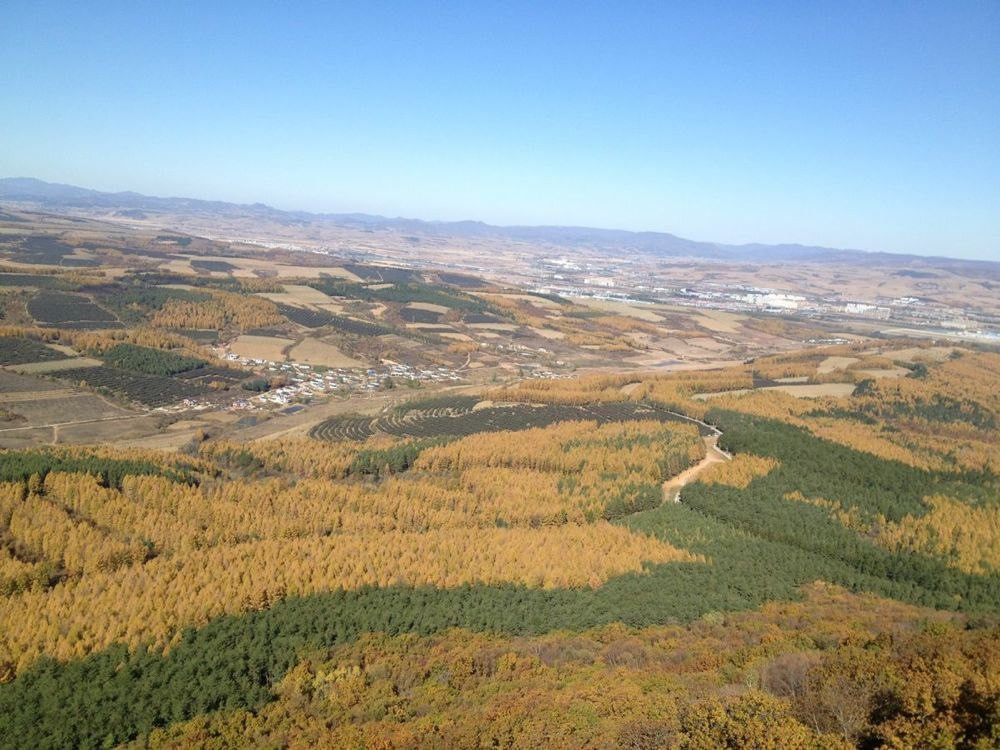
(302, 381)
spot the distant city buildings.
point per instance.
(868, 310)
(775, 300)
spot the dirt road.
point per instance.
(713, 455)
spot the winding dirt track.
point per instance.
(713, 455)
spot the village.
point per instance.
(303, 382)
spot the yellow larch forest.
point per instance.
(139, 561)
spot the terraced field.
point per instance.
(336, 429)
(448, 404)
(459, 419)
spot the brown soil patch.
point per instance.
(307, 295)
(548, 333)
(315, 352)
(493, 326)
(893, 372)
(639, 312)
(56, 365)
(719, 321)
(831, 364)
(427, 307)
(260, 347)
(798, 391)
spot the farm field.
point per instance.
(18, 351)
(455, 336)
(355, 327)
(304, 294)
(640, 312)
(221, 266)
(547, 333)
(719, 321)
(127, 431)
(299, 424)
(210, 374)
(306, 316)
(458, 416)
(261, 347)
(64, 408)
(431, 328)
(492, 326)
(536, 519)
(55, 365)
(315, 352)
(916, 354)
(888, 372)
(15, 438)
(234, 294)
(427, 307)
(798, 390)
(13, 385)
(50, 407)
(148, 390)
(514, 519)
(250, 267)
(26, 281)
(537, 301)
(832, 364)
(299, 295)
(73, 311)
(415, 315)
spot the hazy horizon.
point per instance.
(843, 126)
(433, 220)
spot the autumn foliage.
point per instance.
(828, 672)
(153, 554)
(528, 588)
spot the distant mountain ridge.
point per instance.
(663, 244)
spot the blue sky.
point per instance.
(852, 124)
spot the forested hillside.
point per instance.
(829, 580)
